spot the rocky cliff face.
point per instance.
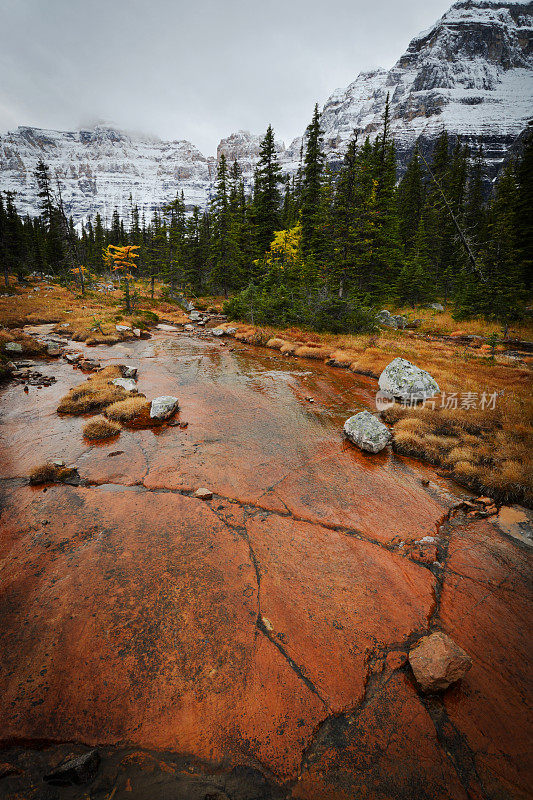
(470, 73)
(100, 169)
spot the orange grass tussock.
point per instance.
(100, 428)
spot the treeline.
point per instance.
(323, 247)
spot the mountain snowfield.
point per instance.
(471, 73)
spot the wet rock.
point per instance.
(129, 372)
(163, 407)
(163, 327)
(137, 333)
(53, 349)
(194, 316)
(126, 383)
(13, 347)
(367, 432)
(203, 494)
(72, 357)
(218, 331)
(437, 662)
(75, 771)
(406, 381)
(189, 327)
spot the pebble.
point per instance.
(203, 494)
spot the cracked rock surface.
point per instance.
(253, 644)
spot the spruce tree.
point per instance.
(524, 210)
(267, 196)
(311, 191)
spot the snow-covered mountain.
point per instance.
(99, 169)
(471, 73)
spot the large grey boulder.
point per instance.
(367, 432)
(405, 381)
(163, 407)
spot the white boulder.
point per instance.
(367, 432)
(163, 407)
(405, 381)
(126, 383)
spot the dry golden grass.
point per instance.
(130, 410)
(30, 346)
(310, 351)
(100, 428)
(50, 473)
(275, 343)
(95, 394)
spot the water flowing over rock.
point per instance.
(367, 432)
(163, 407)
(437, 662)
(405, 381)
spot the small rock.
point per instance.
(76, 770)
(163, 407)
(194, 316)
(203, 494)
(13, 347)
(425, 481)
(73, 357)
(436, 306)
(385, 318)
(310, 399)
(137, 333)
(189, 327)
(486, 501)
(126, 383)
(129, 372)
(58, 462)
(122, 328)
(53, 349)
(437, 662)
(218, 331)
(367, 432)
(184, 424)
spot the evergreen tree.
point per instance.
(311, 191)
(524, 211)
(267, 196)
(411, 199)
(54, 251)
(220, 245)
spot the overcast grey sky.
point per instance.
(194, 69)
